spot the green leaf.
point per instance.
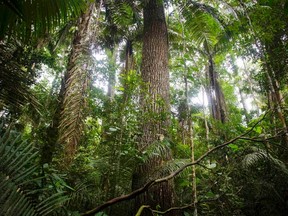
(234, 147)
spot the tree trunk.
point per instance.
(155, 105)
(76, 84)
(128, 70)
(207, 130)
(277, 100)
(215, 94)
(242, 101)
(112, 54)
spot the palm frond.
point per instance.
(208, 26)
(156, 150)
(203, 28)
(17, 168)
(196, 7)
(173, 165)
(15, 78)
(82, 196)
(39, 17)
(258, 156)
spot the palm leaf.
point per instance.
(203, 28)
(15, 79)
(39, 17)
(208, 26)
(156, 150)
(16, 178)
(173, 165)
(13, 199)
(258, 156)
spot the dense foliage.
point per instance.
(90, 126)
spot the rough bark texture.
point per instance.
(155, 106)
(76, 84)
(215, 94)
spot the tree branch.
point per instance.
(175, 208)
(141, 190)
(172, 209)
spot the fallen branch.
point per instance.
(141, 190)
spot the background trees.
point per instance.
(199, 100)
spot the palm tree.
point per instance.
(76, 83)
(208, 30)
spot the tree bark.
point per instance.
(76, 84)
(155, 105)
(215, 94)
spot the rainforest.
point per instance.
(143, 107)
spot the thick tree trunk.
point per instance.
(76, 84)
(215, 94)
(155, 105)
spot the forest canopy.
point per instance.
(143, 108)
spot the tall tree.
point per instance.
(215, 94)
(76, 83)
(208, 31)
(272, 48)
(155, 76)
